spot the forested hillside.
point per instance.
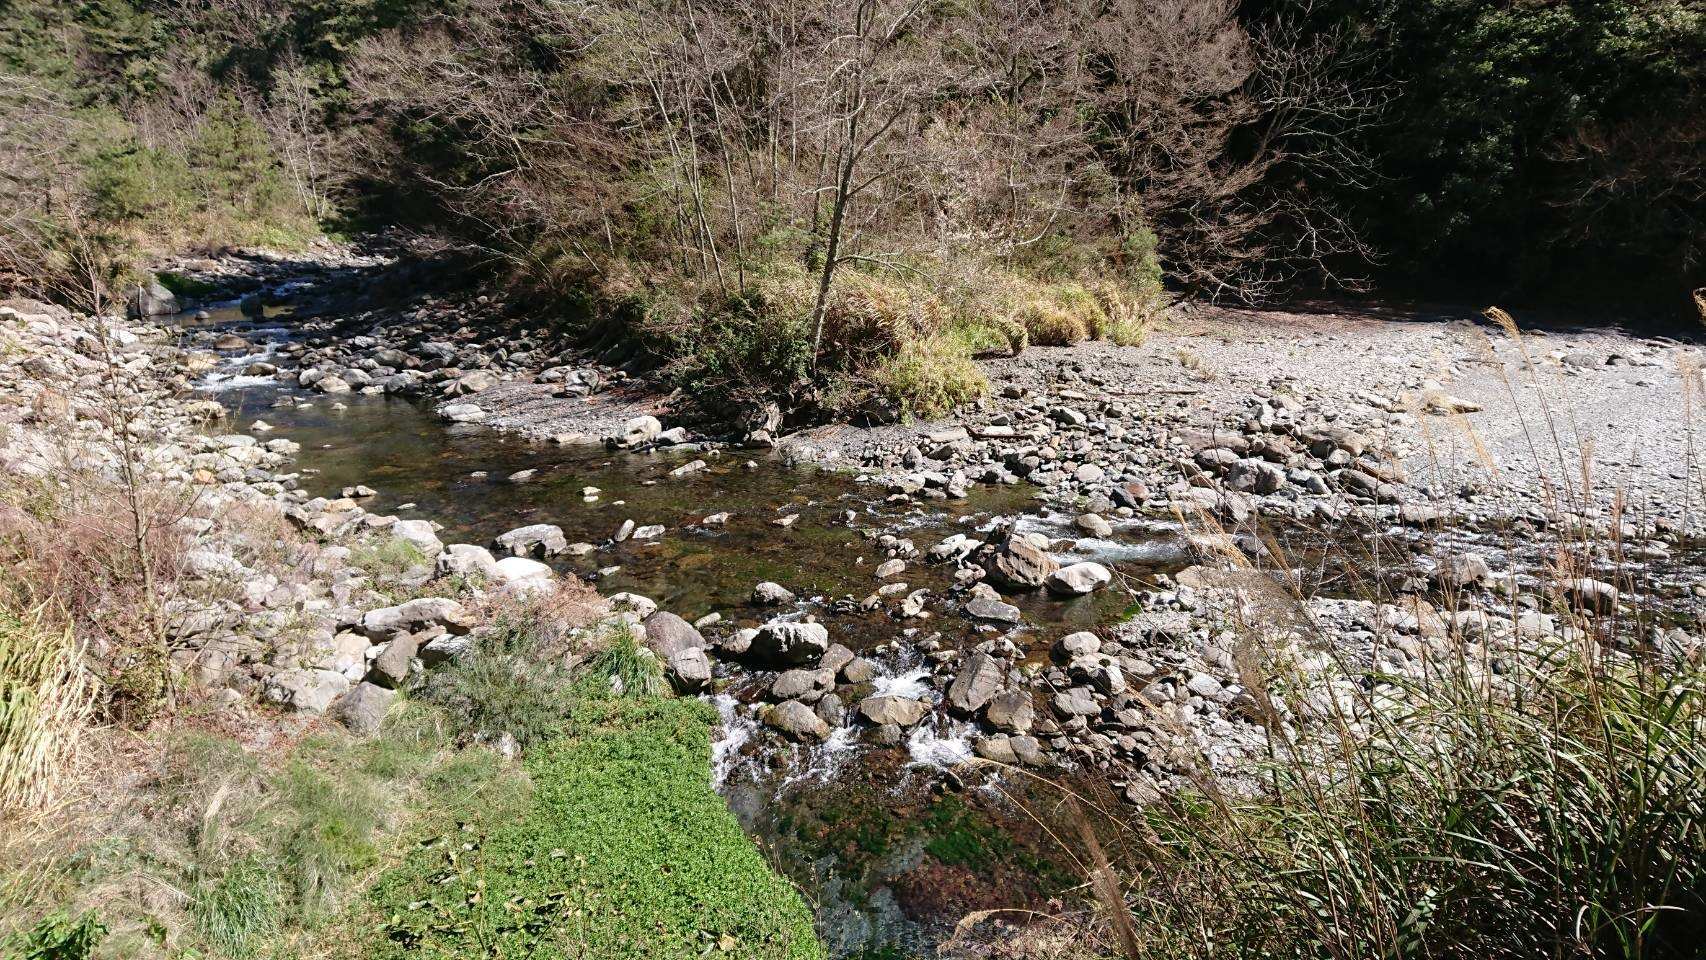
(853, 479)
(845, 201)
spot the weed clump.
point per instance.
(1467, 826)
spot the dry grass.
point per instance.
(1507, 797)
(46, 697)
(195, 841)
(907, 331)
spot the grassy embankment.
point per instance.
(606, 840)
(901, 342)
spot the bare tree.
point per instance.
(1215, 128)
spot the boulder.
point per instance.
(1075, 645)
(1463, 570)
(1079, 579)
(305, 691)
(790, 642)
(534, 540)
(1093, 525)
(900, 711)
(1589, 595)
(796, 720)
(421, 534)
(831, 710)
(641, 607)
(668, 635)
(444, 648)
(363, 709)
(462, 412)
(996, 749)
(1011, 711)
(151, 300)
(769, 594)
(1076, 702)
(1019, 563)
(992, 611)
(976, 683)
(806, 686)
(512, 570)
(859, 670)
(836, 657)
(1255, 476)
(391, 668)
(640, 431)
(466, 560)
(1103, 673)
(689, 669)
(387, 622)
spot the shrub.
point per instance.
(745, 351)
(1050, 325)
(932, 376)
(516, 679)
(622, 667)
(59, 936)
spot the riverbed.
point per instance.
(885, 839)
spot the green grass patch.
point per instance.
(268, 855)
(387, 558)
(624, 852)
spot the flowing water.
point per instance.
(884, 839)
(850, 820)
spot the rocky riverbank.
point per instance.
(1194, 425)
(1230, 528)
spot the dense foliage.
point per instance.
(625, 851)
(1548, 145)
(710, 175)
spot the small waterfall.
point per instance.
(940, 745)
(737, 728)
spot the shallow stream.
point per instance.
(851, 821)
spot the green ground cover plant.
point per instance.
(624, 852)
